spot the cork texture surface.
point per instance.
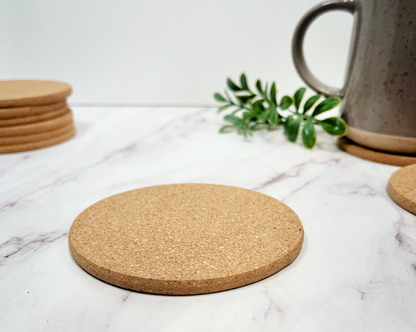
(33, 118)
(13, 148)
(402, 188)
(185, 238)
(7, 113)
(32, 92)
(38, 127)
(354, 149)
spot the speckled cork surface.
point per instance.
(402, 188)
(350, 147)
(7, 113)
(33, 118)
(185, 238)
(13, 148)
(32, 92)
(38, 127)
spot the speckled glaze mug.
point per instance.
(379, 95)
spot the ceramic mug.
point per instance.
(379, 95)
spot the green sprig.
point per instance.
(251, 111)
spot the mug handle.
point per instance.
(297, 44)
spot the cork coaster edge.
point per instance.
(7, 113)
(42, 136)
(356, 150)
(33, 118)
(185, 287)
(37, 127)
(172, 287)
(15, 148)
(399, 197)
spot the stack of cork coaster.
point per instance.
(33, 115)
(185, 238)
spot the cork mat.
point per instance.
(36, 137)
(402, 188)
(185, 238)
(350, 147)
(12, 148)
(32, 92)
(18, 112)
(38, 127)
(33, 118)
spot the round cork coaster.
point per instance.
(185, 238)
(36, 145)
(351, 147)
(7, 113)
(33, 118)
(38, 127)
(32, 92)
(36, 137)
(402, 188)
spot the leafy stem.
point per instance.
(261, 109)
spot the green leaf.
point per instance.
(310, 102)
(258, 106)
(225, 128)
(286, 124)
(255, 127)
(223, 108)
(309, 134)
(245, 98)
(264, 94)
(298, 97)
(248, 116)
(273, 117)
(233, 86)
(264, 116)
(286, 102)
(258, 86)
(334, 126)
(326, 105)
(219, 98)
(243, 80)
(247, 131)
(232, 118)
(292, 127)
(228, 96)
(273, 92)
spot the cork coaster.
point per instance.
(351, 147)
(36, 145)
(36, 137)
(7, 113)
(32, 92)
(185, 238)
(38, 127)
(34, 118)
(402, 188)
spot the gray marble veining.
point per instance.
(356, 271)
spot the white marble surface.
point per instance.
(356, 271)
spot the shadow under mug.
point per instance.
(379, 95)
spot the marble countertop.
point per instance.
(356, 271)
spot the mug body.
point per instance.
(379, 103)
